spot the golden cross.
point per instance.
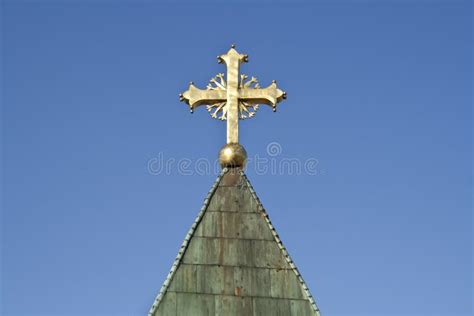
(235, 98)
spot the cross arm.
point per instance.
(195, 97)
(270, 95)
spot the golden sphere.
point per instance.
(232, 155)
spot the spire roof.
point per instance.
(232, 261)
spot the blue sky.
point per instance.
(379, 93)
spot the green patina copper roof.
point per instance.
(232, 261)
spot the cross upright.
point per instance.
(232, 97)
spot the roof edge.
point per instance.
(282, 247)
(185, 244)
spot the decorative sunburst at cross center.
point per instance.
(246, 109)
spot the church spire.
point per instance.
(232, 261)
